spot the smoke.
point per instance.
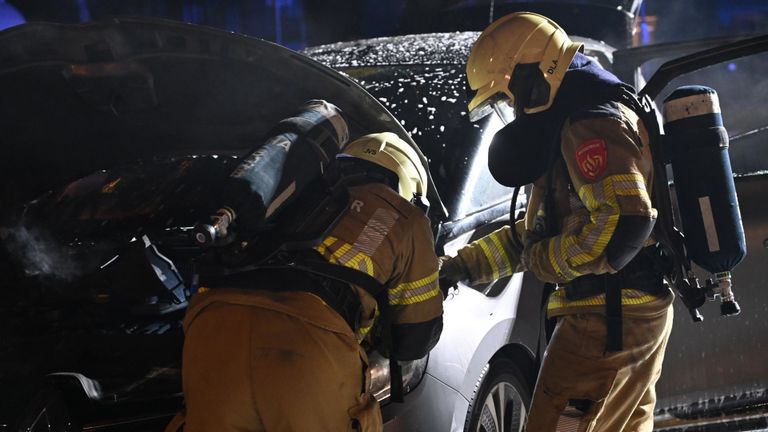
(39, 253)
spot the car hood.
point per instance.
(82, 98)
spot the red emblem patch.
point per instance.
(592, 157)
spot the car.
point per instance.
(130, 120)
(481, 374)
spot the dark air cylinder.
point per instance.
(697, 145)
(294, 153)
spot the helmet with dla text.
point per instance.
(519, 60)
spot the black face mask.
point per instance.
(529, 86)
(523, 150)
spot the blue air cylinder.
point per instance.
(697, 145)
(295, 152)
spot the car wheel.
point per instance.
(501, 399)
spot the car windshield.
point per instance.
(430, 101)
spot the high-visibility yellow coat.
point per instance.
(602, 208)
(258, 360)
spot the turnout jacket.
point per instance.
(391, 240)
(601, 211)
(380, 234)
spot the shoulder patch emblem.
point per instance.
(592, 158)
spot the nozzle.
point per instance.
(728, 304)
(208, 234)
(204, 234)
(728, 308)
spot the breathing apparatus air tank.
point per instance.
(295, 152)
(697, 146)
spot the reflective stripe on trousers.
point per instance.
(620, 385)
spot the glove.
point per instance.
(530, 238)
(452, 271)
(518, 234)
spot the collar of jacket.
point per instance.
(525, 149)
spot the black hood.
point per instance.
(80, 98)
(533, 140)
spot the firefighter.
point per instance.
(588, 229)
(280, 350)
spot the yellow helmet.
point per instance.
(519, 59)
(389, 151)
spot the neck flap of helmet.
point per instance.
(531, 141)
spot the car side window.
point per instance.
(481, 191)
(430, 101)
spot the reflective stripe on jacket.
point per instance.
(602, 204)
(388, 238)
(493, 256)
(602, 211)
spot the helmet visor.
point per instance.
(494, 103)
(498, 103)
(504, 110)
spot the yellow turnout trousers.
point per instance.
(621, 385)
(273, 361)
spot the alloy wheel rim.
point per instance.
(503, 410)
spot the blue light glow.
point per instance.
(85, 13)
(645, 30)
(9, 16)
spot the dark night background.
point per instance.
(301, 23)
(304, 23)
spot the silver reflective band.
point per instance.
(710, 229)
(691, 106)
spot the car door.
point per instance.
(715, 370)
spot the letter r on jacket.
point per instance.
(357, 205)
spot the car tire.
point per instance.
(501, 399)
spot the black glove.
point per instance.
(452, 271)
(530, 238)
